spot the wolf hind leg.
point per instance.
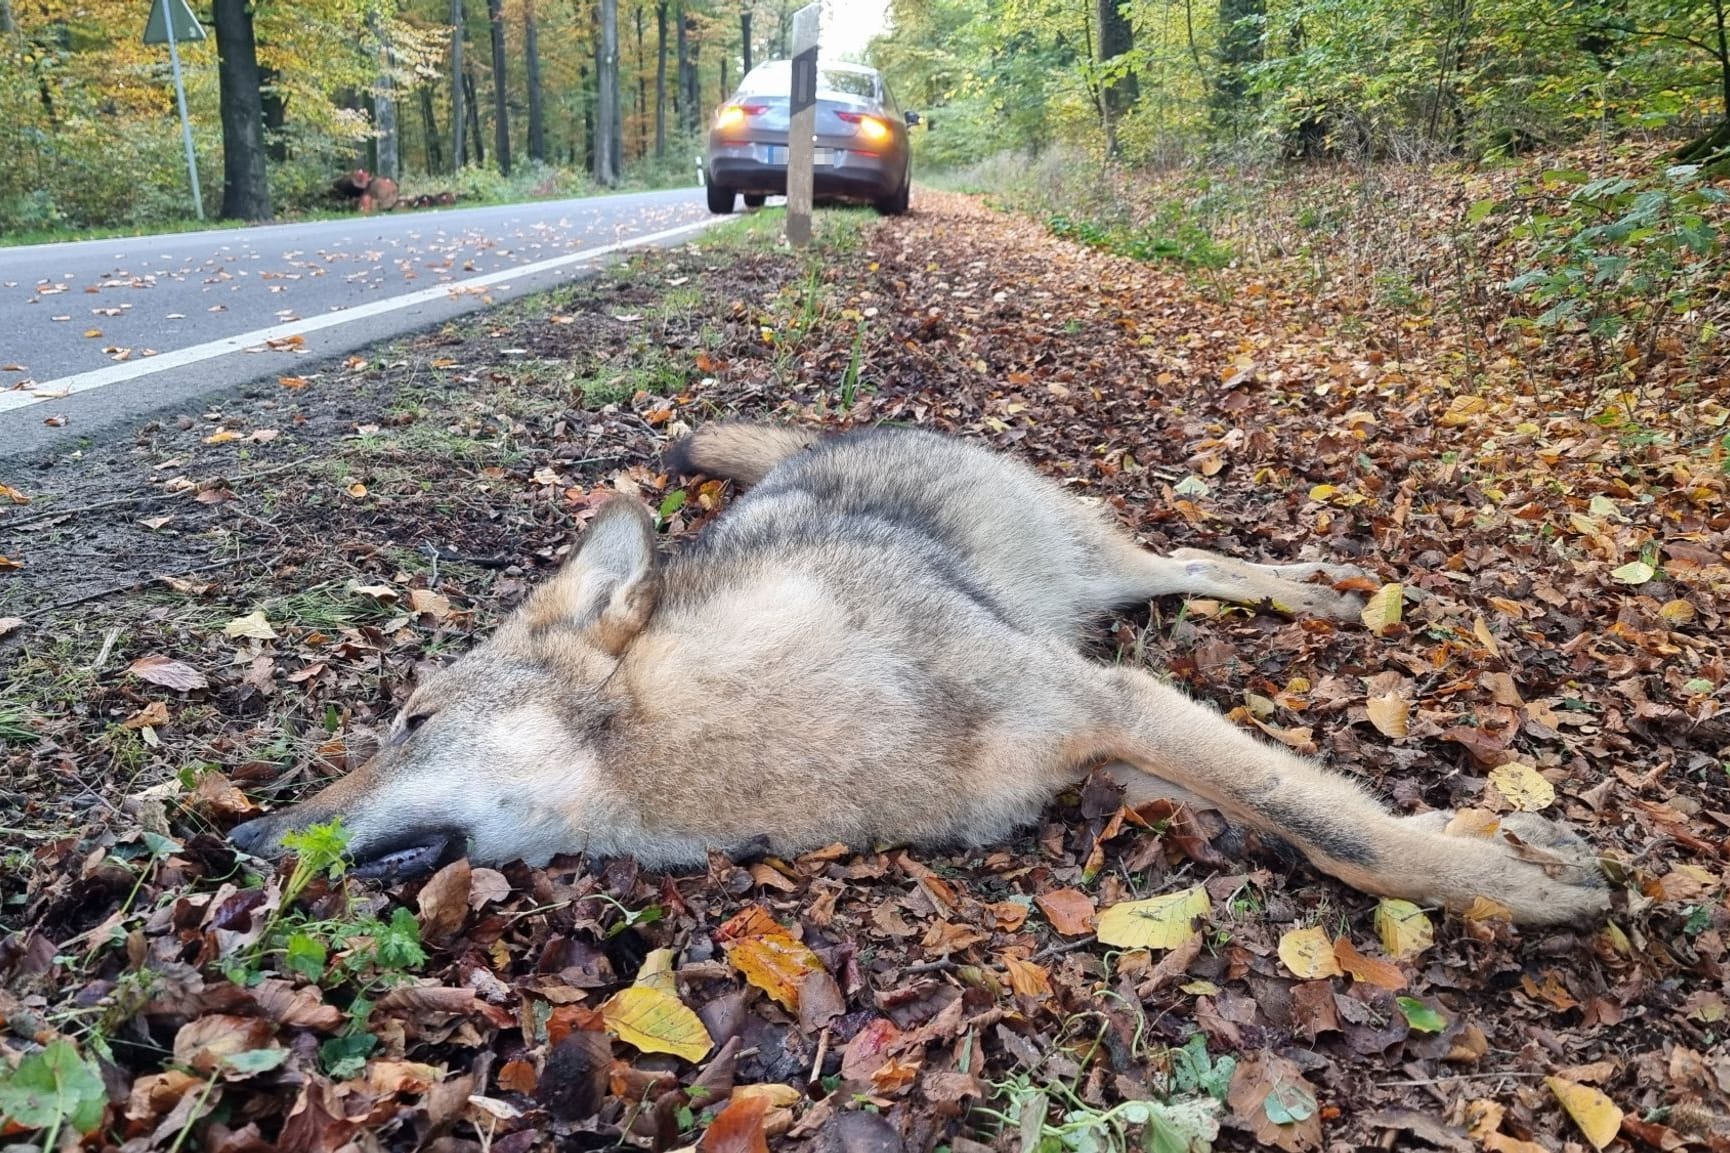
(1127, 573)
(1537, 872)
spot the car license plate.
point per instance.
(774, 154)
(823, 156)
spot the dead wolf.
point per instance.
(879, 642)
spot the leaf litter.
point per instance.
(158, 990)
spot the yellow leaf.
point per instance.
(655, 1021)
(1157, 923)
(1522, 787)
(1383, 610)
(222, 436)
(657, 972)
(778, 1096)
(1324, 492)
(1595, 1114)
(1461, 410)
(252, 624)
(1308, 953)
(776, 964)
(1635, 572)
(1481, 630)
(1677, 612)
(1404, 928)
(357, 490)
(1389, 714)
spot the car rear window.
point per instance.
(776, 79)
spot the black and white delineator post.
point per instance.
(802, 125)
(171, 21)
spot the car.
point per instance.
(861, 149)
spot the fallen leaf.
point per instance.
(1405, 930)
(170, 674)
(1635, 572)
(252, 624)
(1597, 1116)
(1308, 953)
(776, 964)
(1522, 787)
(1070, 911)
(738, 1128)
(1375, 971)
(1384, 608)
(655, 1021)
(1389, 714)
(1163, 922)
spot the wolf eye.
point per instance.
(414, 721)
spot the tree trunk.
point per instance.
(458, 156)
(7, 24)
(389, 162)
(1240, 47)
(275, 107)
(532, 61)
(607, 92)
(642, 90)
(745, 35)
(660, 79)
(474, 107)
(245, 184)
(501, 103)
(429, 123)
(682, 89)
(1117, 38)
(693, 78)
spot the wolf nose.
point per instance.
(252, 835)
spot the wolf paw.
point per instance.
(1540, 870)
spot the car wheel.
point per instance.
(720, 199)
(755, 199)
(897, 204)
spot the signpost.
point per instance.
(171, 21)
(802, 126)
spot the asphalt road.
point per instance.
(100, 331)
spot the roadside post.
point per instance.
(802, 126)
(171, 21)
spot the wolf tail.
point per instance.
(738, 452)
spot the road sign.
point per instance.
(802, 123)
(175, 16)
(171, 21)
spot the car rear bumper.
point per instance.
(851, 175)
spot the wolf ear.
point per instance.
(607, 588)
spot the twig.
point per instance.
(1061, 948)
(137, 584)
(941, 965)
(144, 498)
(107, 647)
(1422, 1081)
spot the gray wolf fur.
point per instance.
(880, 642)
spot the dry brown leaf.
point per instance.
(1070, 911)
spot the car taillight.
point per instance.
(733, 115)
(871, 128)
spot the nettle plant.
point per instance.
(1618, 258)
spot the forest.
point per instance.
(1159, 82)
(489, 99)
(501, 99)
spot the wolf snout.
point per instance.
(257, 836)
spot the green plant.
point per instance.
(1617, 258)
(1053, 1119)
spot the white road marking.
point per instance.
(47, 390)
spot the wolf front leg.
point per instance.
(1537, 869)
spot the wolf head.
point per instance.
(500, 753)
